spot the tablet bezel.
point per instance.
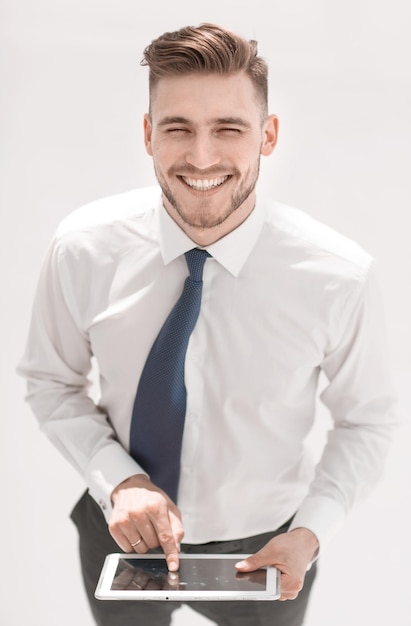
(104, 591)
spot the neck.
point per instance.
(206, 236)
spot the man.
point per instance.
(283, 299)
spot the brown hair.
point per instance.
(206, 48)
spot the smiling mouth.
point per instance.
(205, 184)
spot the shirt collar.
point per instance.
(230, 251)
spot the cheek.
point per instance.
(249, 150)
(164, 152)
(247, 160)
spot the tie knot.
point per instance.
(195, 259)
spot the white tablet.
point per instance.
(200, 577)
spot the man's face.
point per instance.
(206, 135)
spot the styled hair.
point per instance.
(206, 49)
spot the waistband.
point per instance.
(244, 545)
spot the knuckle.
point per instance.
(299, 582)
(154, 506)
(165, 537)
(291, 591)
(151, 542)
(120, 522)
(137, 516)
(114, 525)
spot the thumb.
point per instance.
(253, 562)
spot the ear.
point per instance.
(270, 135)
(147, 134)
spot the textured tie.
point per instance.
(159, 408)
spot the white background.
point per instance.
(72, 100)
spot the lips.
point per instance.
(204, 184)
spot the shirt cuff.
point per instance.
(107, 469)
(323, 516)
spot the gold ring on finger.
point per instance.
(136, 543)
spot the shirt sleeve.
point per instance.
(57, 363)
(361, 401)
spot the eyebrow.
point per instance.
(232, 121)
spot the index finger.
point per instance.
(169, 532)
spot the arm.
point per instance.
(57, 363)
(361, 402)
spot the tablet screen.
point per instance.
(200, 577)
(193, 575)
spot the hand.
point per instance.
(143, 511)
(291, 553)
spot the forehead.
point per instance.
(205, 95)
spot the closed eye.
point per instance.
(232, 130)
(176, 130)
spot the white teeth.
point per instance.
(204, 185)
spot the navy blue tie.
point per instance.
(160, 405)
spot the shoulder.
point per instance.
(110, 210)
(95, 239)
(106, 229)
(303, 236)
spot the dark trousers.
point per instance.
(95, 543)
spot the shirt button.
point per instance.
(102, 505)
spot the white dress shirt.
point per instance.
(284, 298)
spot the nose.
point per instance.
(203, 152)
